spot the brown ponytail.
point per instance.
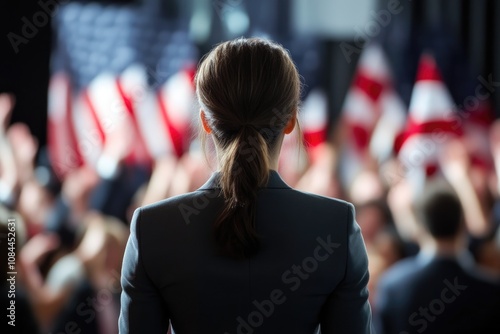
(249, 89)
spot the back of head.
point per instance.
(440, 212)
(249, 90)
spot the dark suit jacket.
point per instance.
(429, 294)
(311, 269)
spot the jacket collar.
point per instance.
(275, 181)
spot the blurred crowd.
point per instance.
(71, 232)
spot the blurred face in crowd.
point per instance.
(371, 220)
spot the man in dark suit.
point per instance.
(439, 290)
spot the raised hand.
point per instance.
(7, 102)
(454, 161)
(9, 175)
(24, 147)
(38, 247)
(455, 164)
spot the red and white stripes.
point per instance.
(149, 123)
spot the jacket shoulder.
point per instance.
(307, 197)
(183, 208)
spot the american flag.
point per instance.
(373, 114)
(432, 120)
(434, 117)
(118, 71)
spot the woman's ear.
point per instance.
(204, 122)
(291, 124)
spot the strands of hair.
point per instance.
(249, 89)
